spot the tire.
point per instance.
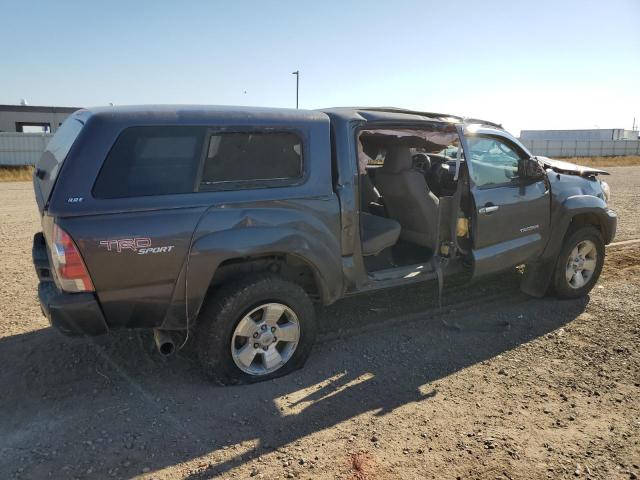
(565, 287)
(219, 342)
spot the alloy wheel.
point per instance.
(265, 339)
(581, 264)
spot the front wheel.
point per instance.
(256, 329)
(579, 263)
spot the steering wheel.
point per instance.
(421, 162)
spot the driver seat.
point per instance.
(408, 198)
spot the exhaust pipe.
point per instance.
(164, 342)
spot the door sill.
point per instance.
(402, 273)
(406, 275)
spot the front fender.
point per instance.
(577, 205)
(538, 274)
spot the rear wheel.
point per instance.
(255, 330)
(579, 263)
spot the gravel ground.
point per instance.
(625, 199)
(493, 385)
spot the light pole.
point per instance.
(297, 74)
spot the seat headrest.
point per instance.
(398, 159)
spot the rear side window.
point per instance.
(48, 166)
(62, 141)
(151, 161)
(234, 158)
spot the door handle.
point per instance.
(488, 210)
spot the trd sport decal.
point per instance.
(139, 245)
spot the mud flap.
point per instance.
(537, 278)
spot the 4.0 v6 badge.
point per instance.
(139, 245)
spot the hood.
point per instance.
(570, 168)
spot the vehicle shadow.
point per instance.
(106, 407)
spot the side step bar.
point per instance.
(403, 273)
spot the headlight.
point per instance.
(606, 190)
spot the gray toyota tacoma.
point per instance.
(224, 225)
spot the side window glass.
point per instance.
(494, 162)
(252, 157)
(146, 161)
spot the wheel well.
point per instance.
(583, 219)
(289, 267)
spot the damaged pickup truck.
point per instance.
(226, 224)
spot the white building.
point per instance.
(32, 119)
(589, 134)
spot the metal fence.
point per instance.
(582, 148)
(22, 148)
(26, 148)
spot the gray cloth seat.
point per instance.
(407, 197)
(370, 200)
(368, 192)
(377, 233)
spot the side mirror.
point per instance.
(530, 169)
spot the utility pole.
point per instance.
(297, 74)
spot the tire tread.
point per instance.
(220, 314)
(574, 236)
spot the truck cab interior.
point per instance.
(403, 176)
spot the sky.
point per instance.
(526, 64)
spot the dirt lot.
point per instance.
(493, 385)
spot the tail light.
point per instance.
(70, 269)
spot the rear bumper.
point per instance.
(70, 313)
